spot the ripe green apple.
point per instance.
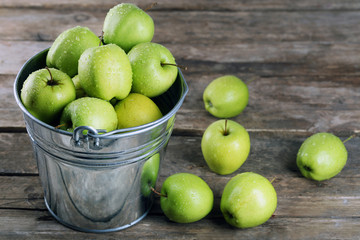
(67, 48)
(105, 72)
(88, 111)
(78, 89)
(186, 198)
(127, 25)
(46, 92)
(226, 97)
(225, 145)
(321, 156)
(152, 76)
(149, 174)
(135, 110)
(248, 200)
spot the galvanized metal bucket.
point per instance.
(98, 182)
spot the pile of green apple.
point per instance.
(248, 199)
(104, 83)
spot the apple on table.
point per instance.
(186, 198)
(226, 96)
(248, 200)
(321, 156)
(225, 145)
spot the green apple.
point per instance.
(248, 200)
(105, 72)
(78, 89)
(127, 25)
(149, 174)
(67, 48)
(152, 74)
(225, 145)
(46, 92)
(321, 156)
(186, 198)
(226, 97)
(88, 111)
(135, 110)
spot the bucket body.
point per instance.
(100, 182)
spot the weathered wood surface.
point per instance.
(39, 225)
(333, 204)
(301, 62)
(209, 5)
(286, 62)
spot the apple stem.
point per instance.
(272, 180)
(150, 7)
(226, 132)
(349, 138)
(101, 37)
(251, 79)
(157, 193)
(61, 125)
(51, 82)
(175, 65)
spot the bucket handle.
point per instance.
(79, 137)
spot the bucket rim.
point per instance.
(112, 134)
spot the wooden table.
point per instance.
(301, 61)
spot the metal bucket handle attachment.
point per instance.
(79, 138)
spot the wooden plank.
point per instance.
(16, 154)
(11, 115)
(303, 104)
(271, 155)
(21, 52)
(21, 193)
(195, 121)
(306, 58)
(168, 5)
(192, 27)
(341, 123)
(297, 196)
(293, 92)
(40, 225)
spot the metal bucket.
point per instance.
(99, 182)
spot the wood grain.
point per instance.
(300, 60)
(39, 225)
(303, 104)
(272, 155)
(193, 27)
(188, 5)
